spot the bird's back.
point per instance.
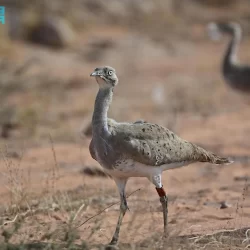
(155, 145)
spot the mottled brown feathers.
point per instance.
(154, 145)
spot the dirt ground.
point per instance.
(43, 184)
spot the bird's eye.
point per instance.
(110, 72)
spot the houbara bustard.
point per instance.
(137, 149)
(235, 74)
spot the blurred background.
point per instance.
(166, 63)
(169, 73)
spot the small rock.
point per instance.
(55, 206)
(13, 154)
(224, 205)
(242, 178)
(53, 32)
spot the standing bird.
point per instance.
(137, 149)
(235, 74)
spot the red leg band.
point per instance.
(161, 191)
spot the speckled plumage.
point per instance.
(152, 145)
(112, 124)
(139, 149)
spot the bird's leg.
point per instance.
(123, 209)
(121, 183)
(164, 201)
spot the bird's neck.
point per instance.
(231, 52)
(100, 115)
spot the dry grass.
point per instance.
(54, 220)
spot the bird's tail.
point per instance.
(207, 156)
(215, 159)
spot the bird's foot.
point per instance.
(111, 247)
(165, 237)
(114, 241)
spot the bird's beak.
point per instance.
(95, 73)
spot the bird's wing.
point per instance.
(112, 125)
(154, 145)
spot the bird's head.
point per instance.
(216, 29)
(105, 77)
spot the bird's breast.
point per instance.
(105, 155)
